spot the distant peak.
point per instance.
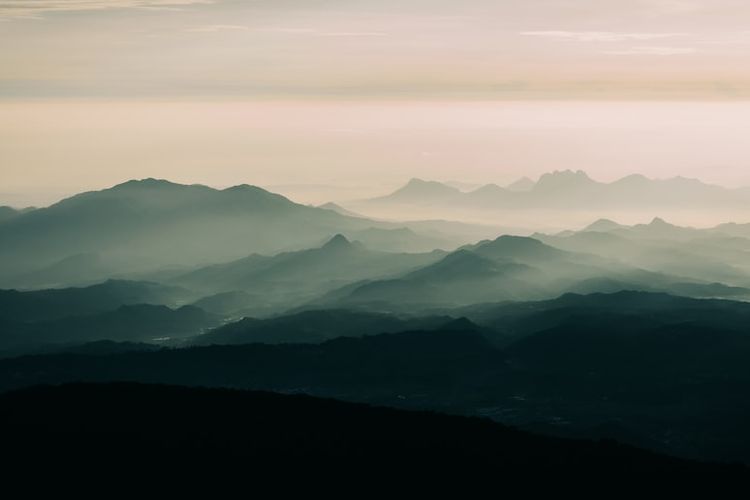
(421, 189)
(338, 241)
(149, 182)
(415, 181)
(563, 179)
(244, 188)
(658, 221)
(522, 184)
(603, 225)
(578, 174)
(635, 178)
(488, 188)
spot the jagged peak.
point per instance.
(564, 178)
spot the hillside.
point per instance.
(113, 424)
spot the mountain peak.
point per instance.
(339, 241)
(603, 225)
(488, 189)
(633, 179)
(522, 184)
(148, 183)
(564, 179)
(659, 222)
(418, 190)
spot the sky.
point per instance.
(356, 96)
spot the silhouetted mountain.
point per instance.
(339, 210)
(521, 185)
(41, 305)
(419, 191)
(75, 270)
(141, 225)
(659, 371)
(289, 279)
(711, 256)
(130, 323)
(7, 213)
(507, 268)
(603, 225)
(568, 190)
(566, 181)
(376, 368)
(216, 434)
(312, 327)
(231, 304)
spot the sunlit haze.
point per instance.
(338, 100)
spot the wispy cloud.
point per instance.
(37, 8)
(215, 28)
(316, 32)
(601, 36)
(351, 33)
(652, 51)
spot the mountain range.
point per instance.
(145, 225)
(521, 268)
(719, 255)
(291, 278)
(653, 370)
(568, 190)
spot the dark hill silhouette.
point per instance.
(292, 278)
(216, 432)
(507, 268)
(658, 371)
(7, 213)
(40, 305)
(132, 323)
(318, 326)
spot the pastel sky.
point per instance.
(487, 48)
(365, 93)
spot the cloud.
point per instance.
(316, 32)
(352, 33)
(214, 28)
(652, 51)
(36, 8)
(600, 36)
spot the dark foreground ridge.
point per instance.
(135, 426)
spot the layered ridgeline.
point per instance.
(719, 255)
(343, 275)
(290, 279)
(521, 268)
(124, 311)
(572, 190)
(653, 370)
(150, 224)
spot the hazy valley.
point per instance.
(636, 333)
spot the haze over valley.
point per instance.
(447, 241)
